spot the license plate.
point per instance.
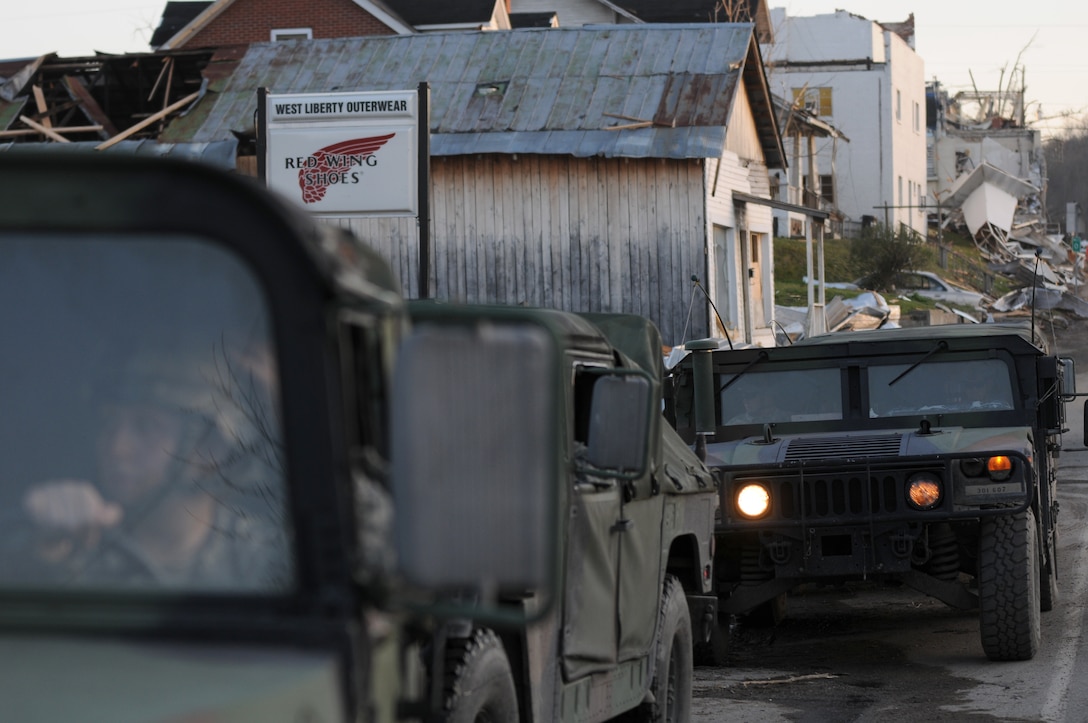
(1009, 488)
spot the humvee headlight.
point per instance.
(753, 501)
(999, 467)
(972, 467)
(924, 491)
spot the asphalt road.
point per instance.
(875, 653)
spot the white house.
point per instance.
(865, 78)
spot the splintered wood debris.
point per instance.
(106, 98)
(792, 679)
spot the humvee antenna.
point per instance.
(783, 330)
(699, 286)
(1034, 282)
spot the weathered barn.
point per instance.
(589, 168)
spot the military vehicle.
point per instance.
(924, 456)
(208, 455)
(638, 520)
(240, 483)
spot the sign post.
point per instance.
(350, 154)
(344, 154)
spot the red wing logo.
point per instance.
(316, 176)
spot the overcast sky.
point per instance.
(957, 39)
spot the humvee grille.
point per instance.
(807, 448)
(838, 497)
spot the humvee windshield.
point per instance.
(798, 395)
(806, 395)
(141, 424)
(957, 386)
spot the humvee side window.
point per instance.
(583, 406)
(365, 386)
(796, 395)
(143, 438)
(963, 385)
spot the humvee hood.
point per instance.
(54, 679)
(863, 445)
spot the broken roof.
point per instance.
(986, 173)
(102, 96)
(644, 91)
(795, 119)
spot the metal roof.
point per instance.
(667, 91)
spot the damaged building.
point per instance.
(108, 102)
(987, 180)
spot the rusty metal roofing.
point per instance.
(646, 91)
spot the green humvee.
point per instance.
(239, 482)
(637, 523)
(925, 456)
(213, 473)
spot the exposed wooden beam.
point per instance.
(62, 130)
(167, 66)
(148, 121)
(49, 132)
(89, 105)
(39, 100)
(660, 124)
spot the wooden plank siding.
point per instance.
(580, 234)
(727, 281)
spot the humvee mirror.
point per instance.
(1068, 390)
(475, 460)
(620, 424)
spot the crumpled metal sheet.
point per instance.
(1041, 296)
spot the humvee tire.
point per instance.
(1009, 587)
(479, 683)
(674, 670)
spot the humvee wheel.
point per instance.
(673, 669)
(1008, 587)
(479, 687)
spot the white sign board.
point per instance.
(345, 154)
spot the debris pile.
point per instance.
(990, 170)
